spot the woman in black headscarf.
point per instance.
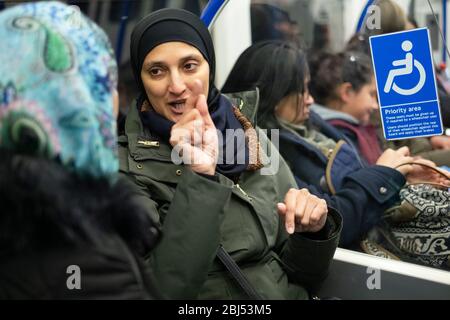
(193, 176)
(184, 28)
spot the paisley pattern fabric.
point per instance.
(418, 230)
(57, 76)
(427, 236)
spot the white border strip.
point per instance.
(409, 104)
(399, 267)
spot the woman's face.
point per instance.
(168, 74)
(361, 104)
(294, 108)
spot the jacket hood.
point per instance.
(331, 114)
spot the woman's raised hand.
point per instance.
(194, 137)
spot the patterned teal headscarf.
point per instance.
(57, 76)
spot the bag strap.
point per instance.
(330, 162)
(237, 274)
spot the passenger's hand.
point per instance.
(303, 212)
(420, 174)
(440, 142)
(396, 159)
(194, 136)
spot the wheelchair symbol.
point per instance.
(407, 69)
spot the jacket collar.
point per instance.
(316, 122)
(330, 114)
(142, 144)
(247, 102)
(302, 144)
(324, 127)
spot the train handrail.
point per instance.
(212, 11)
(362, 18)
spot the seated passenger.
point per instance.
(344, 87)
(345, 92)
(69, 229)
(436, 148)
(270, 22)
(309, 144)
(172, 151)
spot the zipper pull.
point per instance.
(148, 143)
(243, 192)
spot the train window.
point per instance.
(318, 24)
(420, 15)
(328, 24)
(312, 24)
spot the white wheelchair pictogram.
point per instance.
(409, 63)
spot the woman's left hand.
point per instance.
(423, 174)
(302, 211)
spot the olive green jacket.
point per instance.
(197, 214)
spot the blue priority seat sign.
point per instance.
(406, 84)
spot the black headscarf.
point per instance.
(172, 25)
(169, 25)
